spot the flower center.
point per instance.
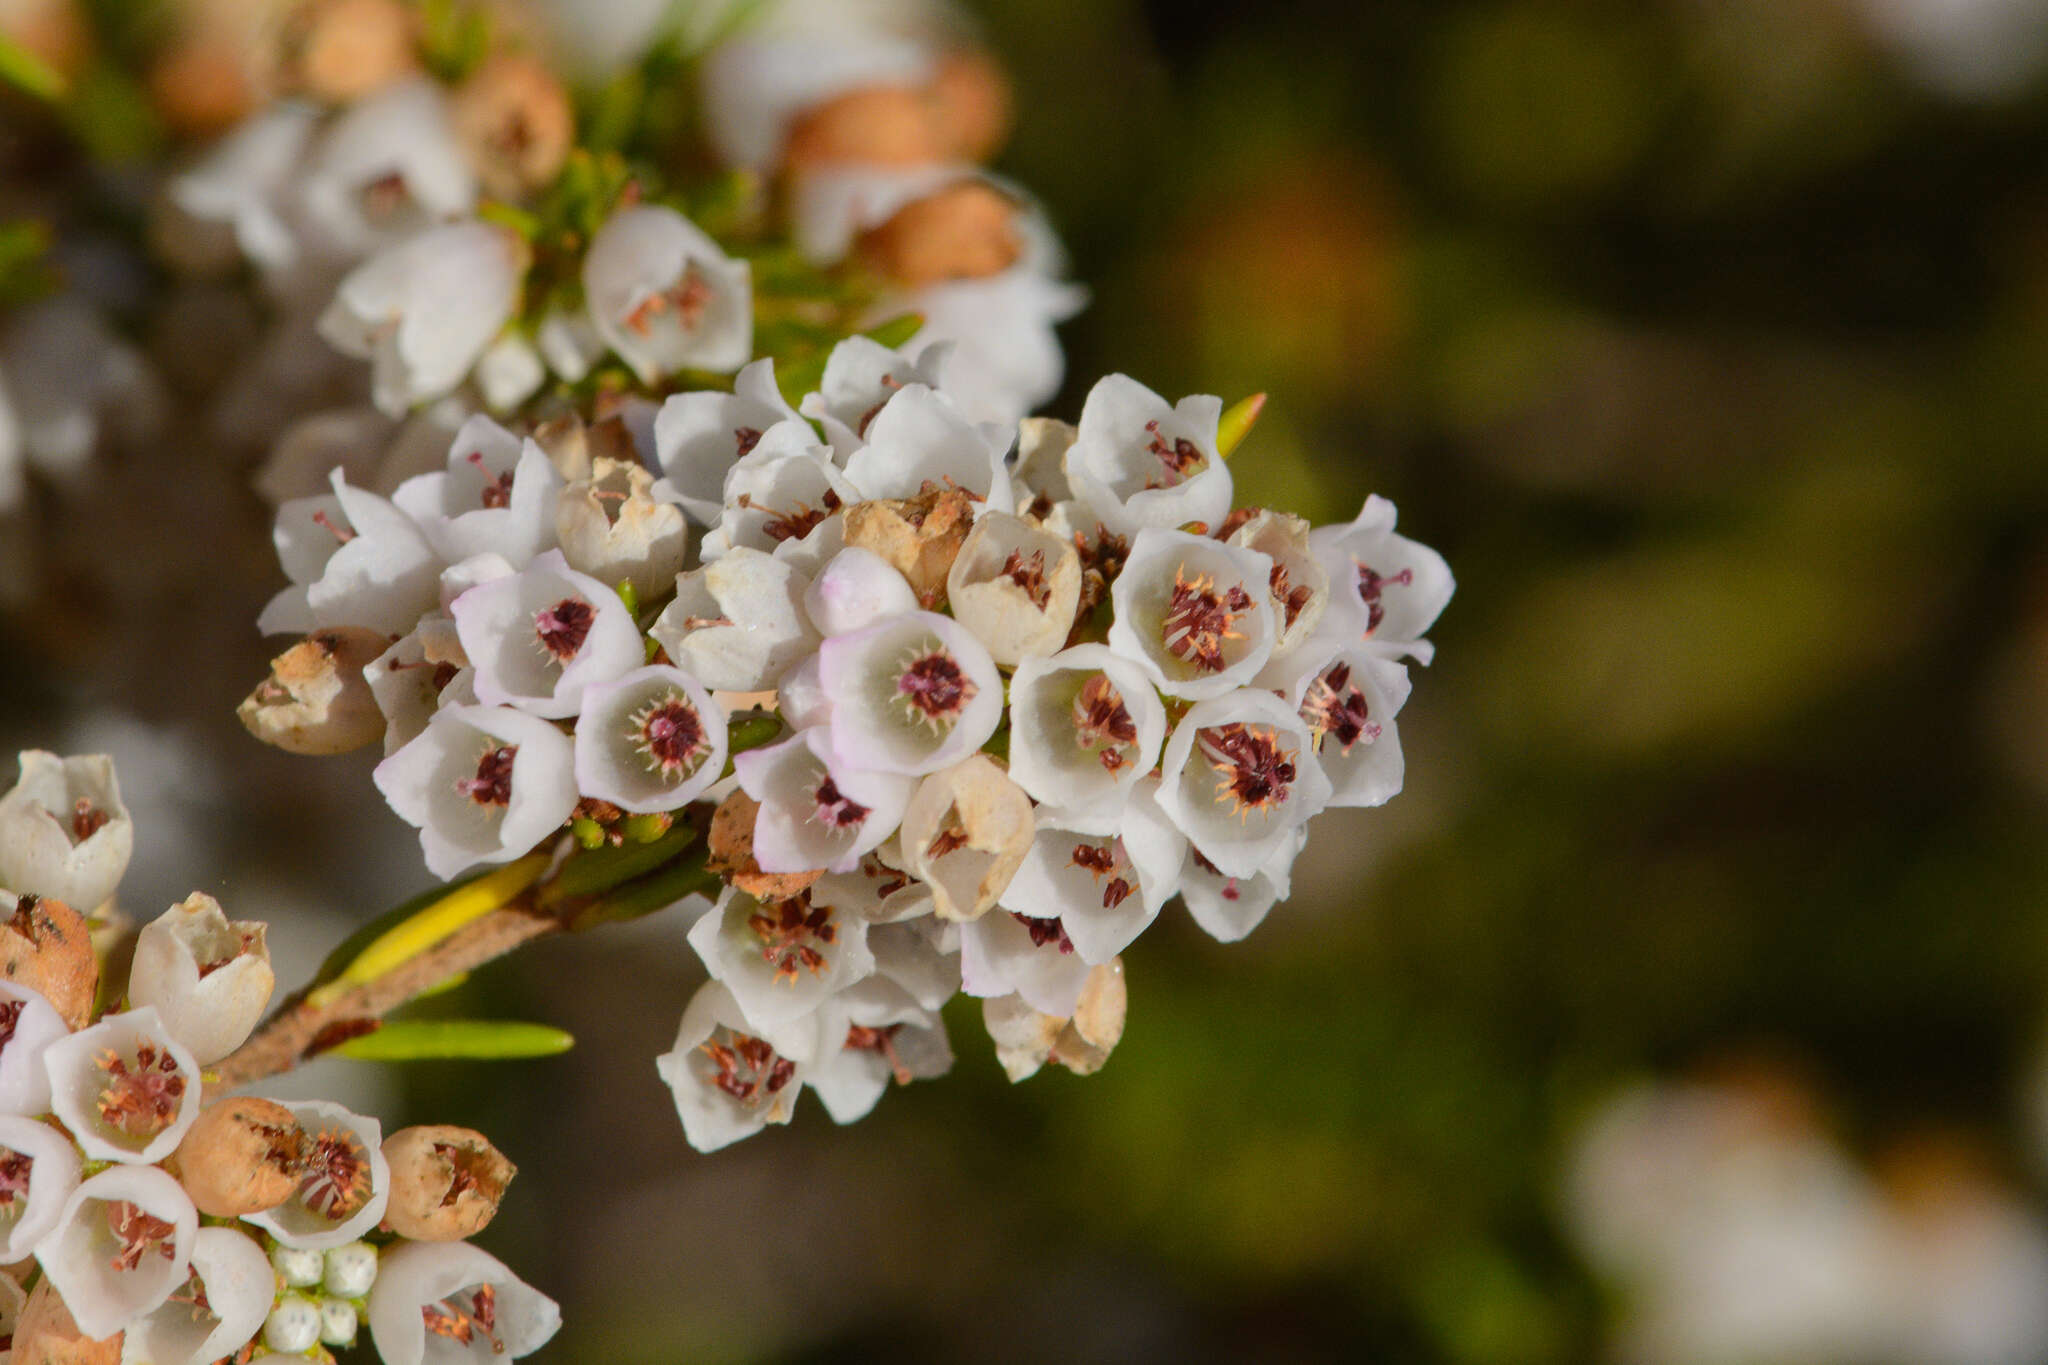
(141, 1099)
(1044, 931)
(788, 931)
(797, 523)
(562, 628)
(935, 688)
(687, 298)
(836, 809)
(1179, 459)
(1291, 598)
(138, 1233)
(492, 785)
(882, 1042)
(1199, 619)
(86, 820)
(1229, 891)
(497, 490)
(745, 1067)
(1370, 585)
(1102, 860)
(385, 198)
(1252, 768)
(10, 1019)
(1334, 709)
(890, 383)
(14, 1173)
(670, 736)
(1029, 574)
(337, 1180)
(462, 1322)
(468, 1171)
(1101, 719)
(746, 438)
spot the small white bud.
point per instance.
(350, 1270)
(298, 1267)
(293, 1327)
(337, 1322)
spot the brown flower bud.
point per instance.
(46, 946)
(341, 50)
(875, 126)
(964, 232)
(514, 120)
(445, 1182)
(731, 844)
(242, 1155)
(45, 1334)
(920, 536)
(970, 101)
(315, 700)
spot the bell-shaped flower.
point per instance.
(877, 889)
(354, 559)
(922, 955)
(779, 491)
(652, 740)
(920, 439)
(1139, 462)
(497, 496)
(1040, 471)
(423, 312)
(1239, 776)
(861, 376)
(1026, 1039)
(1228, 908)
(1196, 614)
(699, 436)
(817, 810)
(410, 679)
(1299, 588)
(1011, 953)
(28, 1025)
(611, 527)
(1103, 889)
(39, 1169)
(732, 1077)
(538, 638)
(228, 1291)
(665, 296)
(882, 1034)
(737, 623)
(1016, 587)
(1085, 725)
(121, 1247)
(1348, 696)
(855, 589)
(125, 1088)
(384, 170)
(1383, 587)
(483, 784)
(344, 1182)
(782, 958)
(316, 700)
(208, 979)
(64, 833)
(241, 182)
(965, 832)
(913, 694)
(449, 1303)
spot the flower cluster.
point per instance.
(168, 1227)
(1029, 685)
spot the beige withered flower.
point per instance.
(1298, 585)
(1026, 1039)
(731, 843)
(920, 537)
(445, 1182)
(514, 120)
(610, 527)
(315, 700)
(966, 231)
(46, 946)
(965, 832)
(1017, 588)
(46, 1334)
(242, 1155)
(341, 50)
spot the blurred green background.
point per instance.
(1709, 340)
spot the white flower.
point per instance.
(855, 589)
(345, 1185)
(483, 784)
(912, 694)
(220, 1309)
(208, 979)
(1196, 614)
(780, 959)
(1348, 697)
(1103, 889)
(409, 683)
(125, 1088)
(424, 311)
(509, 372)
(779, 491)
(1015, 587)
(1239, 775)
(1228, 908)
(731, 1077)
(881, 1033)
(918, 438)
(1040, 471)
(1010, 953)
(384, 170)
(241, 182)
(497, 496)
(699, 436)
(861, 376)
(569, 344)
(1085, 725)
(665, 296)
(652, 740)
(64, 833)
(1005, 356)
(737, 623)
(611, 527)
(1138, 461)
(538, 638)
(756, 84)
(1298, 586)
(1384, 588)
(121, 1247)
(444, 1303)
(354, 560)
(817, 811)
(38, 1171)
(832, 205)
(921, 955)
(879, 891)
(965, 831)
(1025, 1038)
(28, 1025)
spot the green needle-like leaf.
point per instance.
(416, 1040)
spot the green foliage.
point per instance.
(480, 1040)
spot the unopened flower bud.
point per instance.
(242, 1156)
(350, 1270)
(337, 1322)
(513, 119)
(341, 50)
(296, 1267)
(208, 977)
(293, 1326)
(315, 700)
(876, 126)
(46, 946)
(920, 536)
(966, 231)
(1015, 587)
(965, 833)
(970, 102)
(47, 1334)
(63, 830)
(732, 853)
(445, 1182)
